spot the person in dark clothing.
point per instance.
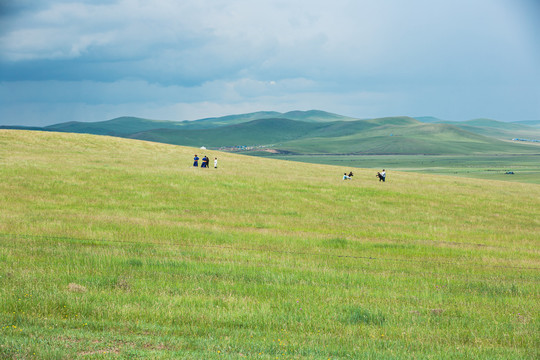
(196, 161)
(351, 174)
(205, 161)
(382, 175)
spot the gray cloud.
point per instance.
(360, 58)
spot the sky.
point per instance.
(94, 60)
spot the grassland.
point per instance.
(525, 167)
(119, 249)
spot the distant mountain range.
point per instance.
(319, 132)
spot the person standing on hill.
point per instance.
(205, 161)
(382, 175)
(196, 161)
(215, 163)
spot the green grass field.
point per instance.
(526, 167)
(119, 249)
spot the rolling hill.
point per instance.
(493, 128)
(256, 132)
(115, 248)
(396, 135)
(408, 139)
(319, 132)
(122, 126)
(306, 116)
(532, 123)
(428, 119)
(229, 119)
(126, 126)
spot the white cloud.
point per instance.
(171, 56)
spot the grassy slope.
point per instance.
(531, 123)
(494, 124)
(231, 119)
(306, 116)
(323, 133)
(525, 132)
(409, 136)
(526, 167)
(264, 131)
(493, 128)
(499, 129)
(114, 248)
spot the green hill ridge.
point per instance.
(320, 132)
(122, 126)
(395, 135)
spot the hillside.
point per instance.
(395, 135)
(315, 116)
(118, 248)
(319, 132)
(230, 119)
(492, 128)
(493, 124)
(126, 126)
(408, 139)
(306, 116)
(532, 123)
(122, 126)
(428, 119)
(263, 131)
(519, 131)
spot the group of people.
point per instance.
(381, 175)
(205, 163)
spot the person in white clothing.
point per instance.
(215, 163)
